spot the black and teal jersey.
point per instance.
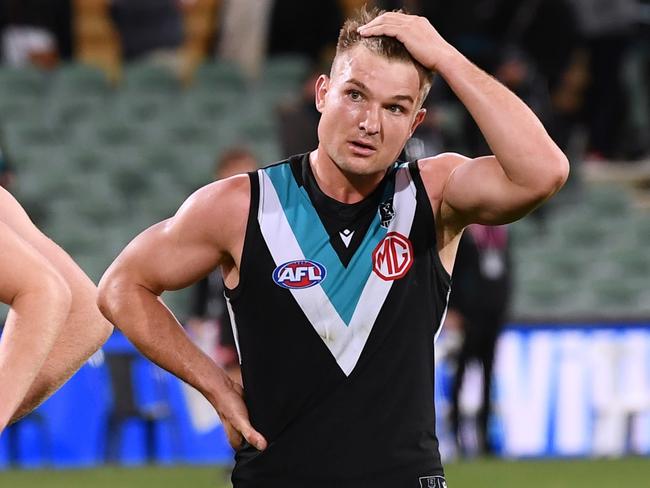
(334, 317)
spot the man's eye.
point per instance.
(355, 95)
(396, 109)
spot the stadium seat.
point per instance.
(33, 134)
(23, 81)
(289, 69)
(218, 76)
(542, 298)
(610, 201)
(78, 79)
(145, 77)
(20, 108)
(210, 108)
(640, 228)
(142, 108)
(68, 110)
(615, 297)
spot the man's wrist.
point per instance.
(219, 384)
(449, 60)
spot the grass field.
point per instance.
(627, 473)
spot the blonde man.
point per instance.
(337, 266)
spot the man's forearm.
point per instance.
(514, 133)
(156, 333)
(29, 333)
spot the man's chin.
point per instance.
(355, 169)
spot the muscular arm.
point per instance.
(84, 329)
(527, 167)
(40, 301)
(169, 256)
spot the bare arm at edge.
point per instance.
(84, 329)
(40, 302)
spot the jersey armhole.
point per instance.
(233, 293)
(423, 200)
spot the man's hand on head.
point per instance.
(417, 34)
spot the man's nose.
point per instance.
(370, 122)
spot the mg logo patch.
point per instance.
(299, 274)
(393, 257)
(433, 482)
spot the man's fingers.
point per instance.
(254, 438)
(235, 439)
(239, 429)
(380, 30)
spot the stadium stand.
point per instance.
(102, 152)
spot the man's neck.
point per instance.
(338, 184)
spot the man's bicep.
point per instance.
(181, 250)
(479, 191)
(168, 256)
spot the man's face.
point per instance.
(369, 107)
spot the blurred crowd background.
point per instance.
(113, 111)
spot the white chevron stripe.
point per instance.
(233, 324)
(344, 342)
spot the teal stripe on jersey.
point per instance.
(343, 286)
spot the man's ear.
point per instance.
(419, 117)
(322, 85)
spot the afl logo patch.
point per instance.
(393, 257)
(299, 274)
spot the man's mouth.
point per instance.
(362, 148)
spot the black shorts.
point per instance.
(433, 482)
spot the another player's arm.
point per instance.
(527, 166)
(172, 255)
(84, 330)
(40, 301)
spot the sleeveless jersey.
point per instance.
(334, 319)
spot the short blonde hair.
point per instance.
(386, 46)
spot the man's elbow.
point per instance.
(108, 294)
(556, 173)
(561, 171)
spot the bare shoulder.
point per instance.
(219, 210)
(435, 172)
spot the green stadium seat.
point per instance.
(79, 80)
(640, 227)
(623, 263)
(212, 108)
(541, 297)
(145, 77)
(68, 110)
(18, 82)
(142, 108)
(219, 76)
(525, 233)
(610, 201)
(553, 263)
(618, 297)
(286, 69)
(20, 108)
(34, 134)
(578, 233)
(110, 133)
